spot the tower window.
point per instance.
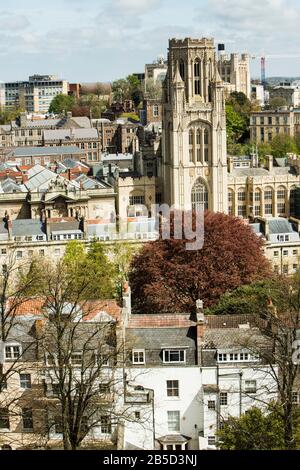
(197, 77)
(182, 69)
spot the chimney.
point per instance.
(230, 164)
(200, 329)
(269, 159)
(126, 310)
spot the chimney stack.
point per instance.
(200, 329)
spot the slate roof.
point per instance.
(70, 134)
(219, 338)
(45, 151)
(89, 183)
(10, 186)
(64, 225)
(280, 225)
(158, 338)
(27, 227)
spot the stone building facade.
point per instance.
(194, 128)
(235, 73)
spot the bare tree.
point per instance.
(83, 360)
(17, 282)
(280, 323)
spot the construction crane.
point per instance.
(271, 56)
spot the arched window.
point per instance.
(198, 139)
(199, 196)
(197, 77)
(182, 69)
(191, 137)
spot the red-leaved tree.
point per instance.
(166, 277)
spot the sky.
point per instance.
(102, 40)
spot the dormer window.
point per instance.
(138, 356)
(173, 356)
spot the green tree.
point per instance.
(61, 104)
(235, 125)
(277, 102)
(121, 90)
(246, 299)
(252, 431)
(94, 264)
(283, 144)
(153, 89)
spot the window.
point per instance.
(25, 381)
(295, 252)
(155, 110)
(137, 415)
(136, 200)
(222, 357)
(250, 386)
(233, 357)
(211, 440)
(105, 423)
(295, 398)
(76, 358)
(211, 404)
(174, 421)
(223, 398)
(4, 418)
(268, 209)
(27, 419)
(182, 69)
(58, 428)
(285, 252)
(172, 388)
(12, 352)
(138, 356)
(276, 253)
(241, 195)
(19, 254)
(3, 251)
(104, 388)
(174, 355)
(103, 359)
(55, 390)
(285, 269)
(3, 384)
(199, 196)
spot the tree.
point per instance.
(165, 276)
(122, 257)
(235, 125)
(78, 344)
(18, 281)
(6, 116)
(277, 102)
(254, 430)
(283, 144)
(94, 265)
(153, 89)
(247, 299)
(280, 323)
(61, 104)
(121, 90)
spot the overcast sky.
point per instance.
(89, 40)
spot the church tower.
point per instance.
(194, 128)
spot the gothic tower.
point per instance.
(194, 128)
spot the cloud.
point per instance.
(13, 22)
(248, 22)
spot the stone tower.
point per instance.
(194, 128)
